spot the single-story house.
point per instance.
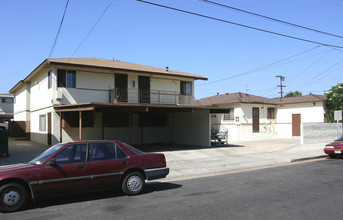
(255, 117)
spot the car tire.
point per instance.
(332, 155)
(133, 183)
(13, 197)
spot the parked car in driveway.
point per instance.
(74, 167)
(335, 148)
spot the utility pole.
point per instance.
(282, 78)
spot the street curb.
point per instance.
(308, 158)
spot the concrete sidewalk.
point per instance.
(190, 161)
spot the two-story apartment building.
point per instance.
(255, 117)
(6, 109)
(89, 98)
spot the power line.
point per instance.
(84, 39)
(59, 29)
(241, 25)
(260, 68)
(270, 18)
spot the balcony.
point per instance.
(122, 95)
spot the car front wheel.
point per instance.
(133, 183)
(12, 197)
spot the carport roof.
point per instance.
(134, 107)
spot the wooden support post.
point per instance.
(102, 126)
(61, 127)
(130, 127)
(80, 125)
(173, 118)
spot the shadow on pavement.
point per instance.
(150, 187)
(178, 147)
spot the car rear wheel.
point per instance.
(332, 155)
(133, 183)
(12, 197)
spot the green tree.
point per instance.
(293, 94)
(334, 101)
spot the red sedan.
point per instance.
(75, 167)
(335, 148)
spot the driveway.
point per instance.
(193, 161)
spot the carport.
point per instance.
(134, 123)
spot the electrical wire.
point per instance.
(58, 32)
(272, 19)
(85, 38)
(241, 25)
(260, 68)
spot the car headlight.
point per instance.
(329, 147)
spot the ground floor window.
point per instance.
(230, 115)
(271, 113)
(42, 122)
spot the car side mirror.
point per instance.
(52, 162)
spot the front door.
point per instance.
(255, 120)
(121, 87)
(296, 120)
(144, 89)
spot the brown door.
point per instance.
(255, 120)
(49, 128)
(121, 87)
(296, 120)
(144, 89)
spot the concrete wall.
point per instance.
(320, 132)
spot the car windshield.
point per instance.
(340, 139)
(43, 156)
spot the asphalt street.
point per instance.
(306, 190)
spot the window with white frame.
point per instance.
(66, 78)
(186, 88)
(42, 122)
(49, 79)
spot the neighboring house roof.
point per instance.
(7, 95)
(235, 98)
(298, 99)
(106, 65)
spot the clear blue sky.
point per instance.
(140, 33)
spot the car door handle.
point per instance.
(81, 167)
(125, 162)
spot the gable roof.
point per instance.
(236, 98)
(104, 64)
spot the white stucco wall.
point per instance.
(21, 106)
(193, 128)
(309, 113)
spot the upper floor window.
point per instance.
(230, 115)
(66, 78)
(49, 79)
(186, 88)
(270, 113)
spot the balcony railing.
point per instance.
(122, 95)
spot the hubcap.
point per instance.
(11, 198)
(134, 183)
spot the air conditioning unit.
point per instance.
(59, 95)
